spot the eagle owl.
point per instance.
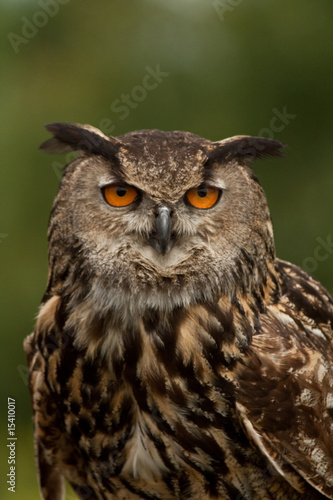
(174, 356)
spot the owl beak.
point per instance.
(161, 239)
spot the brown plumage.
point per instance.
(174, 357)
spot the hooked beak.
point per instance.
(161, 239)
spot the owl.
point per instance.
(174, 356)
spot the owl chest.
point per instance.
(133, 431)
(146, 431)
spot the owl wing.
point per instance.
(77, 412)
(285, 396)
(45, 417)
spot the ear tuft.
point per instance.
(76, 137)
(246, 149)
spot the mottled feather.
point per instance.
(204, 371)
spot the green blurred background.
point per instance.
(223, 67)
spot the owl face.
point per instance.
(161, 219)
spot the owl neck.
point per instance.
(214, 332)
(126, 329)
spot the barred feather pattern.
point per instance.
(170, 415)
(206, 382)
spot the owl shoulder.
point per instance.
(305, 295)
(285, 380)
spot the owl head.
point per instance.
(158, 219)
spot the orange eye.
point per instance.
(203, 197)
(120, 196)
